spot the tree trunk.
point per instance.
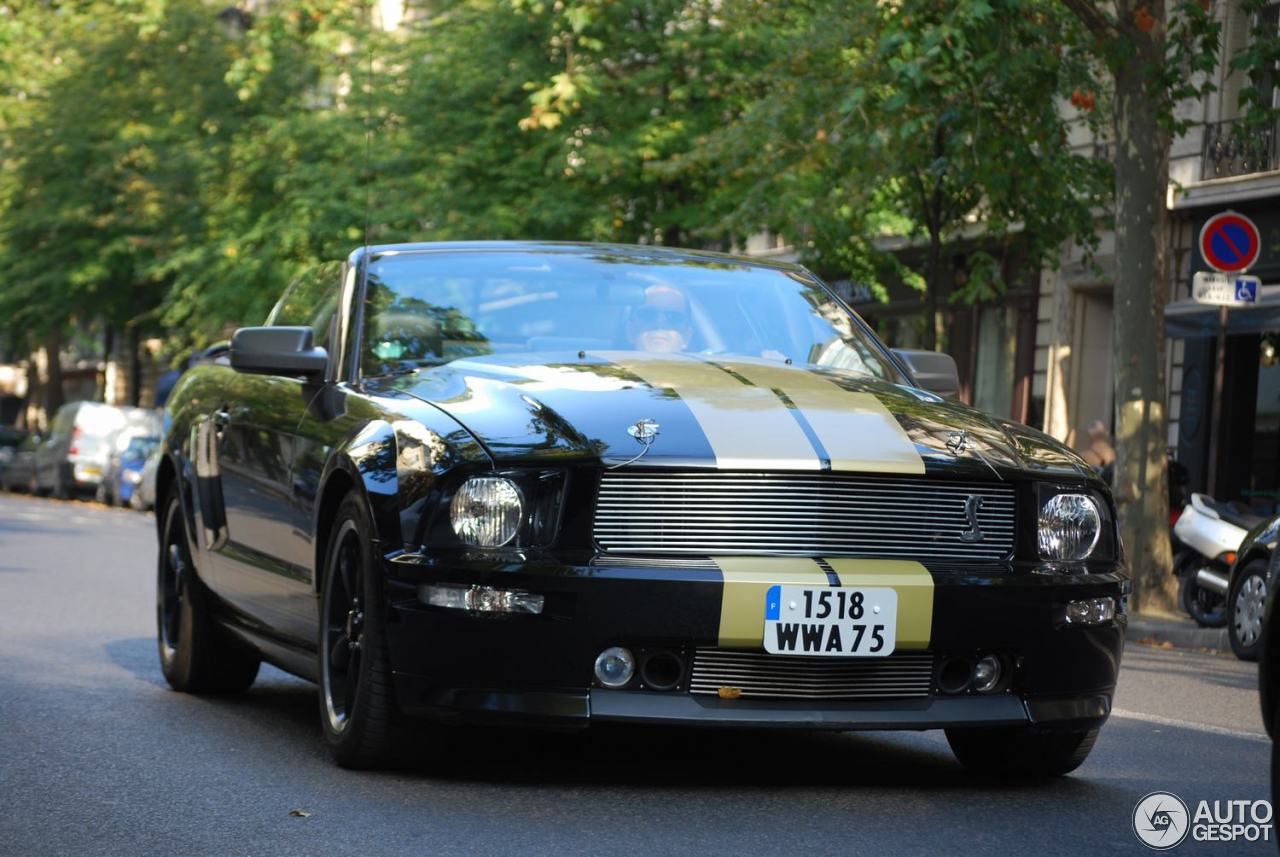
(1142, 169)
(108, 345)
(53, 395)
(932, 283)
(35, 394)
(135, 367)
(933, 273)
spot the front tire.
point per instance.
(196, 655)
(362, 723)
(1245, 602)
(1020, 752)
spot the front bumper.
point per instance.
(537, 669)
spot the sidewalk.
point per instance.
(1171, 632)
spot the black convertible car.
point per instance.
(554, 484)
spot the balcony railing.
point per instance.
(1236, 149)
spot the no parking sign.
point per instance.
(1229, 242)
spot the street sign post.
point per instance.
(1229, 242)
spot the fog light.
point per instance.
(615, 667)
(986, 674)
(1091, 611)
(481, 599)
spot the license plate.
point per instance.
(851, 622)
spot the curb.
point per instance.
(1182, 634)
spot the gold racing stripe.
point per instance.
(746, 581)
(747, 427)
(910, 580)
(855, 429)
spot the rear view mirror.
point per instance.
(278, 351)
(933, 371)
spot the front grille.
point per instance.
(755, 674)
(801, 515)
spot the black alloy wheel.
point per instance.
(344, 629)
(358, 712)
(196, 655)
(1246, 601)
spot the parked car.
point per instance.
(1250, 583)
(125, 472)
(10, 440)
(139, 423)
(570, 484)
(20, 473)
(75, 456)
(143, 497)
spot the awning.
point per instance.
(1187, 319)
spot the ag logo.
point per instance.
(1161, 820)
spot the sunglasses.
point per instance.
(652, 316)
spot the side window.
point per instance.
(311, 300)
(62, 421)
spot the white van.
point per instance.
(74, 457)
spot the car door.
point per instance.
(255, 431)
(51, 452)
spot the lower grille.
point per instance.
(764, 676)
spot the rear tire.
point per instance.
(362, 723)
(1245, 602)
(1020, 752)
(1207, 608)
(196, 655)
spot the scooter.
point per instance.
(1211, 533)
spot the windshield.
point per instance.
(432, 308)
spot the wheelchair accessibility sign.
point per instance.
(1211, 287)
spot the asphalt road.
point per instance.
(97, 756)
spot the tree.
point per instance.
(104, 156)
(1156, 54)
(908, 117)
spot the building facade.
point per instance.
(1219, 165)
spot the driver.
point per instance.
(661, 324)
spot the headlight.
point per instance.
(486, 511)
(1070, 525)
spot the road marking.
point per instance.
(1187, 724)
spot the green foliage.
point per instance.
(167, 168)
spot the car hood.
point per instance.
(721, 411)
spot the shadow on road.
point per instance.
(139, 657)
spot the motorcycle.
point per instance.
(1210, 534)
